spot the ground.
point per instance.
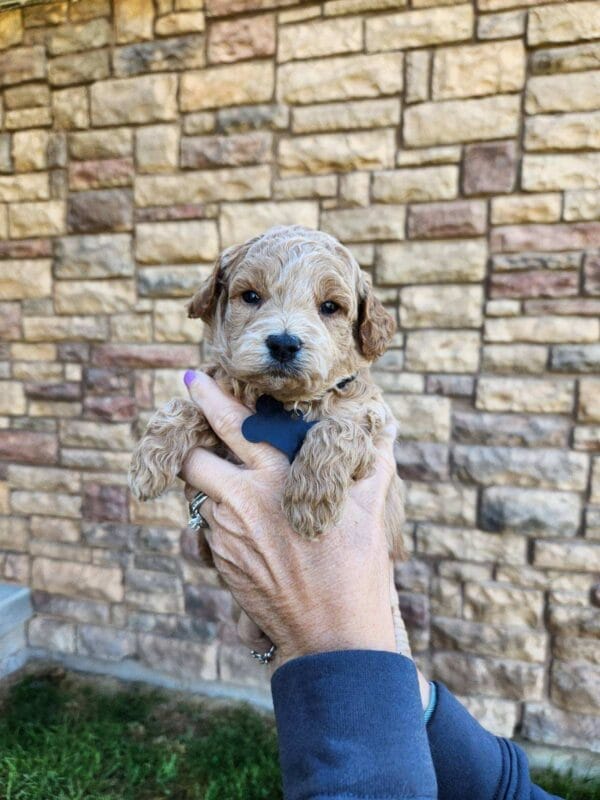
(69, 737)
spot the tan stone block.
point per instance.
(338, 7)
(29, 150)
(70, 108)
(4, 498)
(27, 118)
(566, 22)
(172, 325)
(21, 64)
(77, 580)
(577, 91)
(595, 490)
(168, 242)
(101, 435)
(28, 186)
(564, 171)
(576, 58)
(94, 297)
(521, 358)
(298, 14)
(419, 28)
(418, 72)
(450, 121)
(354, 188)
(245, 37)
(526, 208)
(84, 36)
(431, 262)
(61, 505)
(48, 408)
(365, 224)
(429, 155)
(169, 509)
(25, 279)
(176, 24)
(421, 417)
(442, 351)
(542, 329)
(131, 327)
(467, 544)
(441, 502)
(36, 219)
(335, 152)
(79, 68)
(89, 9)
(246, 183)
(501, 26)
(110, 143)
(416, 185)
(13, 533)
(581, 205)
(45, 479)
(149, 98)
(11, 28)
(567, 555)
(4, 222)
(29, 95)
(320, 38)
(476, 70)
(38, 16)
(217, 87)
(441, 306)
(499, 604)
(36, 371)
(240, 221)
(32, 352)
(589, 400)
(157, 148)
(346, 116)
(342, 78)
(134, 20)
(12, 398)
(528, 395)
(305, 187)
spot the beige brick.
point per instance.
(442, 351)
(501, 26)
(11, 28)
(450, 121)
(342, 78)
(101, 435)
(240, 221)
(45, 479)
(429, 155)
(79, 68)
(575, 58)
(28, 186)
(217, 87)
(25, 279)
(563, 131)
(346, 116)
(421, 417)
(175, 24)
(12, 398)
(77, 580)
(70, 108)
(94, 297)
(110, 143)
(172, 325)
(354, 188)
(29, 150)
(519, 358)
(365, 224)
(431, 262)
(134, 20)
(61, 505)
(13, 533)
(172, 242)
(517, 209)
(589, 400)
(567, 555)
(131, 327)
(320, 38)
(418, 70)
(582, 205)
(522, 394)
(84, 36)
(564, 171)
(28, 95)
(476, 70)
(27, 118)
(205, 186)
(149, 98)
(578, 91)
(337, 7)
(335, 152)
(470, 545)
(441, 306)
(419, 28)
(32, 352)
(416, 185)
(36, 219)
(595, 490)
(157, 148)
(566, 22)
(498, 604)
(542, 329)
(305, 187)
(241, 38)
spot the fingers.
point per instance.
(225, 416)
(251, 635)
(208, 473)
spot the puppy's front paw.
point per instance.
(145, 482)
(311, 507)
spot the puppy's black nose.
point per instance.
(283, 347)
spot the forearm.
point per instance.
(351, 727)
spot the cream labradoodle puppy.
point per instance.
(290, 314)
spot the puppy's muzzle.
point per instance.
(283, 347)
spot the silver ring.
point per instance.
(264, 658)
(196, 520)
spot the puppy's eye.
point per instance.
(251, 297)
(329, 307)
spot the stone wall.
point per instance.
(456, 148)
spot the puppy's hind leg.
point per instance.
(171, 433)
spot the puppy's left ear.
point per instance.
(376, 326)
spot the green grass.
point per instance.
(64, 737)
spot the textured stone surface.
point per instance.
(532, 511)
(444, 306)
(431, 262)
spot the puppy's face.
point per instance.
(290, 312)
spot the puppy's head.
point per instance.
(291, 313)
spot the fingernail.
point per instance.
(189, 377)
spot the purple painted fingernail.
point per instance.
(189, 377)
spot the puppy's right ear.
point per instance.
(203, 304)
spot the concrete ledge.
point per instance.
(15, 611)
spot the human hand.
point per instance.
(328, 594)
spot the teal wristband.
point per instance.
(432, 701)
